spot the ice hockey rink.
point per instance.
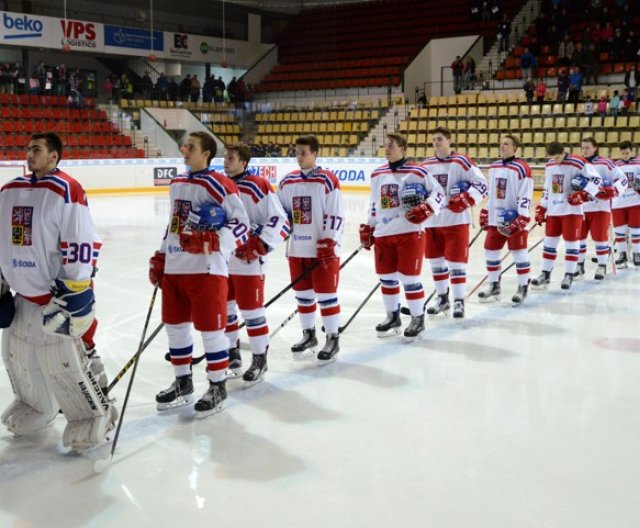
(518, 417)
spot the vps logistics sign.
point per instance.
(78, 35)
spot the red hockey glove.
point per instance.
(607, 193)
(419, 213)
(541, 214)
(253, 249)
(156, 268)
(198, 242)
(578, 198)
(459, 202)
(325, 250)
(518, 224)
(484, 219)
(366, 236)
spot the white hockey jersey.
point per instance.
(557, 184)
(189, 192)
(48, 233)
(510, 187)
(608, 173)
(448, 172)
(386, 212)
(266, 216)
(630, 197)
(313, 201)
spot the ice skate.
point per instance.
(566, 282)
(579, 273)
(235, 363)
(415, 330)
(441, 307)
(306, 347)
(178, 394)
(636, 260)
(541, 282)
(601, 271)
(458, 309)
(212, 401)
(329, 350)
(520, 295)
(621, 261)
(390, 326)
(491, 294)
(255, 373)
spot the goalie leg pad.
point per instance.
(89, 413)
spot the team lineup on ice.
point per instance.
(219, 294)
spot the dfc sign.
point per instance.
(78, 34)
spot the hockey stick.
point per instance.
(100, 465)
(528, 251)
(405, 311)
(353, 316)
(293, 314)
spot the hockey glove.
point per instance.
(326, 250)
(366, 236)
(541, 214)
(70, 311)
(459, 202)
(578, 198)
(156, 269)
(253, 249)
(199, 242)
(607, 193)
(419, 213)
(484, 219)
(518, 225)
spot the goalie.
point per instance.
(47, 256)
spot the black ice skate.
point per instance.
(212, 401)
(491, 294)
(415, 330)
(391, 325)
(579, 273)
(178, 394)
(255, 373)
(307, 345)
(636, 260)
(566, 282)
(541, 282)
(520, 295)
(329, 350)
(458, 309)
(235, 363)
(621, 261)
(441, 307)
(601, 271)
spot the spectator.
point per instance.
(19, 81)
(422, 100)
(185, 88)
(218, 94)
(486, 11)
(107, 88)
(613, 104)
(563, 86)
(627, 101)
(162, 86)
(529, 90)
(565, 51)
(541, 90)
(589, 108)
(207, 89)
(41, 75)
(469, 73)
(602, 106)
(527, 63)
(591, 64)
(241, 90)
(291, 151)
(575, 84)
(504, 30)
(195, 89)
(632, 80)
(147, 86)
(173, 90)
(61, 80)
(457, 68)
(232, 90)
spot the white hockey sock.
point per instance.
(583, 251)
(231, 331)
(330, 312)
(180, 347)
(572, 253)
(458, 279)
(549, 252)
(414, 294)
(494, 266)
(523, 266)
(621, 238)
(602, 252)
(440, 272)
(635, 239)
(216, 353)
(390, 286)
(306, 300)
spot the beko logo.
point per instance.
(22, 26)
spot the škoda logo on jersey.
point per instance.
(21, 225)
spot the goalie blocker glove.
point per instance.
(70, 311)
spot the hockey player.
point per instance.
(312, 198)
(597, 212)
(626, 207)
(48, 256)
(510, 190)
(207, 223)
(246, 268)
(403, 196)
(447, 246)
(569, 181)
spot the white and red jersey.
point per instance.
(630, 197)
(510, 187)
(386, 212)
(48, 233)
(448, 172)
(557, 184)
(266, 215)
(610, 175)
(313, 201)
(189, 192)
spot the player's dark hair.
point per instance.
(626, 145)
(442, 130)
(244, 153)
(514, 140)
(207, 143)
(311, 141)
(52, 140)
(591, 140)
(399, 139)
(554, 148)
